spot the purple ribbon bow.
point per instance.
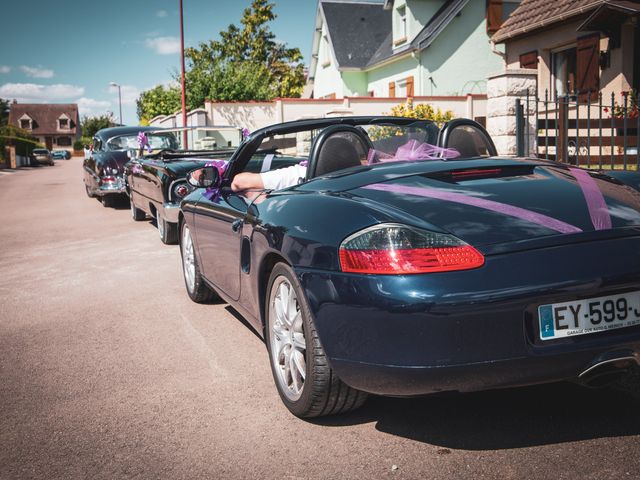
(213, 193)
(143, 141)
(413, 150)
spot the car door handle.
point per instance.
(235, 226)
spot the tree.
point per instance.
(245, 64)
(4, 112)
(159, 100)
(90, 125)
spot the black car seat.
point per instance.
(336, 148)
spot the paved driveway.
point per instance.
(108, 370)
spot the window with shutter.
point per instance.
(494, 16)
(410, 86)
(587, 67)
(392, 89)
(529, 60)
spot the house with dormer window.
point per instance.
(405, 48)
(56, 125)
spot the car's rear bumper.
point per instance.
(115, 188)
(472, 330)
(170, 212)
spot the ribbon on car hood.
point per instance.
(598, 211)
(511, 210)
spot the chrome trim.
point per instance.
(170, 212)
(170, 192)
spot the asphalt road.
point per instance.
(108, 370)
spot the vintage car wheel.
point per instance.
(197, 289)
(168, 231)
(89, 193)
(304, 379)
(136, 213)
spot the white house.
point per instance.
(398, 48)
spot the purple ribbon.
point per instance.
(411, 151)
(596, 204)
(503, 208)
(143, 141)
(213, 193)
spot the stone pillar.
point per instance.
(502, 91)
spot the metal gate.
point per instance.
(584, 130)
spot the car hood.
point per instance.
(510, 202)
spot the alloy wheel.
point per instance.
(188, 259)
(288, 345)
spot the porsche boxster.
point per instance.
(410, 259)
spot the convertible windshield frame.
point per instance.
(133, 145)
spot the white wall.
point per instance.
(254, 115)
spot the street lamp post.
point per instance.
(114, 84)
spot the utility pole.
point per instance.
(185, 144)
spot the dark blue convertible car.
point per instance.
(409, 260)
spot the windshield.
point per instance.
(157, 141)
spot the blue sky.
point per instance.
(69, 51)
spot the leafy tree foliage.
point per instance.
(159, 100)
(245, 64)
(422, 111)
(4, 111)
(90, 125)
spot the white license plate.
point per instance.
(591, 315)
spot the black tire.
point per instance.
(108, 201)
(136, 213)
(322, 392)
(168, 231)
(89, 193)
(198, 291)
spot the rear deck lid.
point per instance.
(493, 205)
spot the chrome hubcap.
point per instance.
(188, 260)
(288, 344)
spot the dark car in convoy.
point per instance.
(41, 156)
(111, 149)
(412, 260)
(156, 184)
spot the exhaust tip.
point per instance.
(608, 371)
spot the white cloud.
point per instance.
(164, 45)
(37, 72)
(35, 93)
(4, 69)
(92, 107)
(161, 13)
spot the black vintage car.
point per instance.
(111, 149)
(156, 184)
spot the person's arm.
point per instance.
(247, 181)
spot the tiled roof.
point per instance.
(532, 15)
(356, 30)
(361, 33)
(45, 116)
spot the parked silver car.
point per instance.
(41, 156)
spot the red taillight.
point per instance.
(392, 252)
(181, 191)
(476, 173)
(108, 179)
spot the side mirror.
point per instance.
(205, 177)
